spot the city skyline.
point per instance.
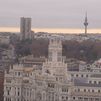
(63, 14)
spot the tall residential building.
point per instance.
(25, 28)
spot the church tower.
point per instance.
(55, 50)
(86, 24)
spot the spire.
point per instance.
(86, 23)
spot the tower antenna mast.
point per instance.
(86, 23)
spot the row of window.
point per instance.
(8, 99)
(95, 82)
(27, 92)
(17, 74)
(64, 90)
(88, 90)
(25, 74)
(17, 91)
(79, 75)
(85, 99)
(64, 98)
(8, 89)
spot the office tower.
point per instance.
(25, 28)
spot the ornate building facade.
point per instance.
(51, 80)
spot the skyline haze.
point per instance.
(54, 14)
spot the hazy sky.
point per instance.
(51, 13)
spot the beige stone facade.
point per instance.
(51, 81)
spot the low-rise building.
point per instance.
(4, 39)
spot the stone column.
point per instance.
(12, 93)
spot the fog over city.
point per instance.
(51, 13)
